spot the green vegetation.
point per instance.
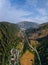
(43, 50)
(42, 39)
(10, 37)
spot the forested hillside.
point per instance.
(32, 43)
(9, 38)
(40, 35)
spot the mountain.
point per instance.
(9, 38)
(26, 25)
(12, 37)
(39, 38)
(39, 32)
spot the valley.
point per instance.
(33, 44)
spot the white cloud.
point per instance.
(38, 19)
(12, 14)
(9, 13)
(41, 19)
(42, 11)
(31, 3)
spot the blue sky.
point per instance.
(24, 10)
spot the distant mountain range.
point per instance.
(26, 25)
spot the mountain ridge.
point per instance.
(26, 25)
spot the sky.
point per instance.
(24, 10)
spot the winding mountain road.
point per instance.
(31, 47)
